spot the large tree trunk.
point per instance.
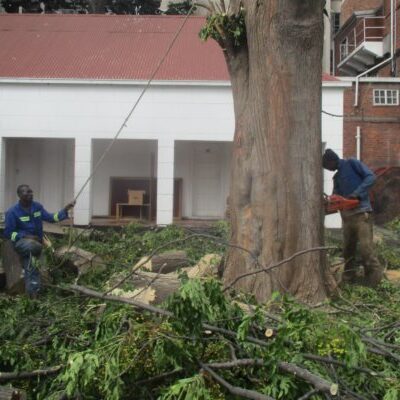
(276, 178)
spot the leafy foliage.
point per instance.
(222, 26)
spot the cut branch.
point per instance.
(9, 376)
(276, 265)
(319, 383)
(332, 361)
(158, 378)
(235, 390)
(309, 394)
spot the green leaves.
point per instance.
(222, 27)
(188, 389)
(195, 303)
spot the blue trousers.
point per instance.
(30, 251)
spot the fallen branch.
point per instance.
(319, 383)
(309, 394)
(155, 310)
(332, 361)
(9, 376)
(316, 381)
(380, 343)
(235, 390)
(380, 349)
(157, 378)
(276, 265)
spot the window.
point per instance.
(386, 97)
(335, 22)
(344, 49)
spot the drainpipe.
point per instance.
(392, 10)
(394, 59)
(358, 143)
(393, 37)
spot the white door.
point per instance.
(207, 161)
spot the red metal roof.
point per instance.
(107, 47)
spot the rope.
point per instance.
(123, 125)
(332, 115)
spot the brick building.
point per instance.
(367, 50)
(372, 129)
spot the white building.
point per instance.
(67, 82)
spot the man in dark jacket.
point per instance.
(24, 226)
(353, 180)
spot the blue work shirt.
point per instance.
(354, 178)
(20, 223)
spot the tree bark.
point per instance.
(169, 261)
(276, 175)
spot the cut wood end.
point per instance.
(146, 296)
(334, 390)
(143, 264)
(207, 266)
(269, 333)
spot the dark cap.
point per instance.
(329, 155)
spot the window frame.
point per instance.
(381, 97)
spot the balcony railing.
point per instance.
(365, 29)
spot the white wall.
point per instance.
(127, 158)
(97, 111)
(185, 168)
(332, 136)
(86, 112)
(44, 164)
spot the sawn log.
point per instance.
(81, 261)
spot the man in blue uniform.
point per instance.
(353, 180)
(24, 226)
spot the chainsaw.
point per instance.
(335, 203)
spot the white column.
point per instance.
(2, 175)
(165, 181)
(83, 168)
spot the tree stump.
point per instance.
(12, 265)
(81, 261)
(10, 393)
